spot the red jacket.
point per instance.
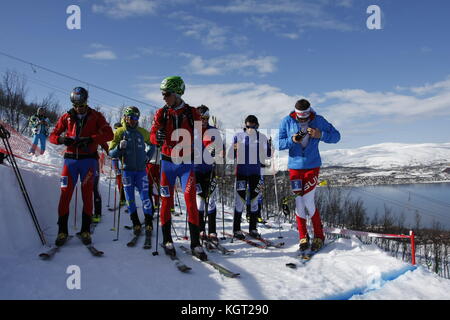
(93, 125)
(170, 119)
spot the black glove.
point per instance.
(83, 142)
(160, 136)
(67, 141)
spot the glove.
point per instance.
(160, 136)
(83, 142)
(123, 144)
(67, 141)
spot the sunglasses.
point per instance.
(166, 94)
(133, 117)
(205, 118)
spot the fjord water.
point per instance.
(430, 200)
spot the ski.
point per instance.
(46, 255)
(148, 240)
(180, 265)
(250, 242)
(215, 245)
(306, 255)
(133, 240)
(222, 270)
(91, 248)
(268, 243)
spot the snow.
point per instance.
(345, 269)
(382, 156)
(388, 155)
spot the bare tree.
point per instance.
(12, 99)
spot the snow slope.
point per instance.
(345, 269)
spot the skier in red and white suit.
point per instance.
(300, 133)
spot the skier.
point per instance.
(204, 174)
(39, 127)
(84, 129)
(300, 133)
(128, 145)
(247, 151)
(169, 128)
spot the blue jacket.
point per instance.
(135, 155)
(308, 157)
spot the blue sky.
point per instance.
(243, 57)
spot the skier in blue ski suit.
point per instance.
(129, 145)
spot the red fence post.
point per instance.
(413, 248)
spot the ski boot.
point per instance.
(96, 218)
(317, 244)
(169, 249)
(213, 238)
(304, 244)
(254, 234)
(61, 239)
(239, 235)
(85, 238)
(199, 253)
(148, 224)
(136, 223)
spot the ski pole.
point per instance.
(155, 253)
(109, 188)
(116, 186)
(5, 135)
(76, 203)
(118, 219)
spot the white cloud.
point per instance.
(288, 16)
(240, 63)
(353, 111)
(101, 55)
(125, 8)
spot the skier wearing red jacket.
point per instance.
(173, 129)
(81, 130)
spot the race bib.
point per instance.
(296, 185)
(241, 185)
(164, 192)
(198, 188)
(64, 182)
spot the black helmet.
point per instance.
(252, 119)
(203, 110)
(79, 96)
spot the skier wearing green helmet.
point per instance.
(169, 124)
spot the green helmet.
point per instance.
(131, 111)
(173, 84)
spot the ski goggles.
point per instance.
(132, 117)
(303, 114)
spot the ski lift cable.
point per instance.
(75, 79)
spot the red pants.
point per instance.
(303, 183)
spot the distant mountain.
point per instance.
(384, 156)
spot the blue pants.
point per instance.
(138, 180)
(42, 138)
